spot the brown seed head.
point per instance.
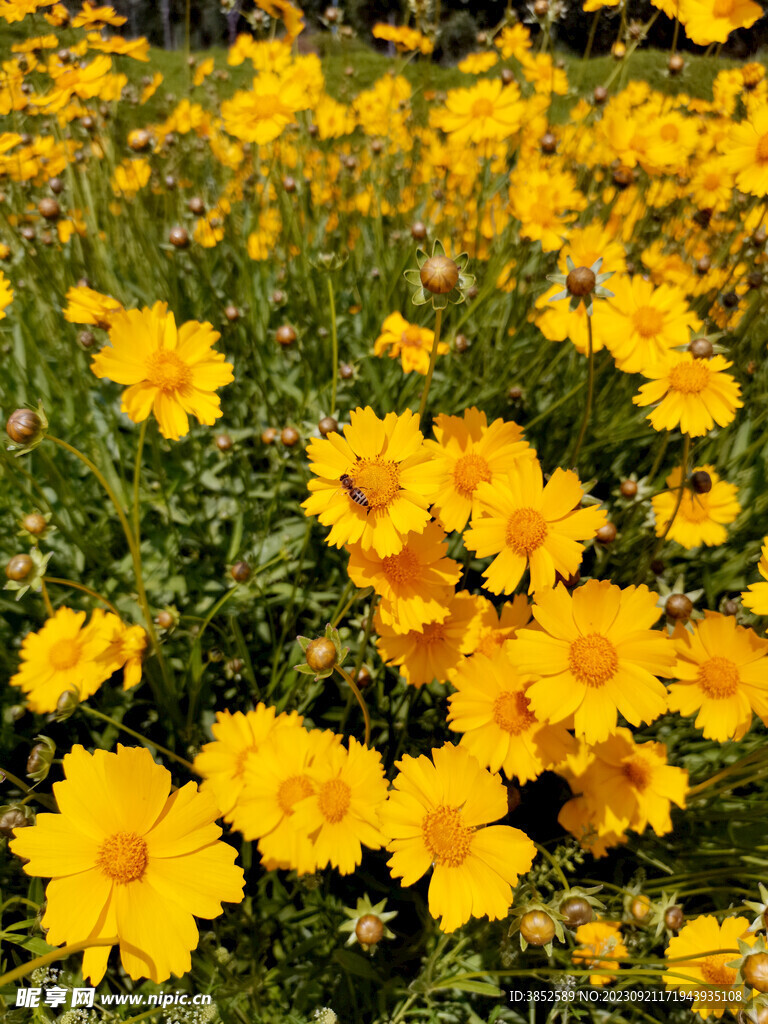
(628, 488)
(321, 654)
(196, 206)
(240, 572)
(548, 143)
(364, 678)
(369, 930)
(268, 435)
(537, 928)
(49, 209)
(600, 95)
(178, 237)
(759, 238)
(701, 481)
(23, 426)
(328, 425)
(11, 819)
(515, 393)
(754, 279)
(676, 64)
(19, 567)
(223, 442)
(419, 230)
(576, 911)
(541, 8)
(704, 265)
(289, 436)
(507, 76)
(580, 282)
(674, 917)
(439, 275)
(285, 335)
(701, 348)
(606, 534)
(289, 184)
(461, 342)
(623, 176)
(678, 607)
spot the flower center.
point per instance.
(722, 8)
(711, 181)
(695, 508)
(689, 378)
(526, 531)
(715, 972)
(64, 654)
(378, 479)
(593, 659)
(540, 213)
(637, 772)
(166, 371)
(432, 633)
(512, 713)
(240, 759)
(762, 149)
(482, 108)
(411, 336)
(401, 567)
(291, 790)
(491, 640)
(648, 321)
(468, 472)
(446, 836)
(718, 678)
(669, 132)
(268, 106)
(334, 799)
(123, 857)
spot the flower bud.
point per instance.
(640, 908)
(674, 917)
(600, 95)
(232, 313)
(268, 435)
(24, 427)
(701, 481)
(19, 567)
(369, 930)
(285, 335)
(289, 184)
(178, 237)
(223, 442)
(678, 607)
(328, 425)
(755, 971)
(34, 523)
(240, 572)
(628, 488)
(537, 928)
(321, 654)
(11, 818)
(164, 620)
(576, 911)
(419, 231)
(548, 143)
(507, 76)
(289, 436)
(40, 759)
(581, 281)
(439, 274)
(66, 705)
(461, 342)
(346, 372)
(86, 339)
(606, 534)
(701, 348)
(196, 206)
(676, 64)
(49, 209)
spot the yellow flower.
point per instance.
(527, 525)
(745, 151)
(203, 69)
(261, 243)
(485, 112)
(595, 657)
(65, 655)
(261, 113)
(477, 63)
(493, 712)
(173, 372)
(415, 585)
(756, 595)
(129, 862)
(698, 941)
(130, 176)
(405, 39)
(6, 295)
(493, 628)
(722, 672)
(86, 306)
(125, 647)
(701, 518)
(712, 21)
(138, 49)
(513, 41)
(693, 394)
(387, 461)
(342, 814)
(409, 341)
(467, 452)
(433, 818)
(150, 88)
(236, 735)
(641, 323)
(600, 945)
(435, 650)
(91, 16)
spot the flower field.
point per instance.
(385, 527)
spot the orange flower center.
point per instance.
(378, 479)
(670, 132)
(762, 149)
(512, 713)
(718, 678)
(123, 857)
(723, 8)
(482, 108)
(715, 971)
(291, 790)
(64, 654)
(334, 799)
(648, 321)
(526, 531)
(593, 659)
(695, 508)
(432, 633)
(492, 640)
(269, 106)
(711, 181)
(167, 372)
(401, 567)
(411, 336)
(690, 378)
(468, 472)
(240, 759)
(637, 772)
(540, 213)
(446, 836)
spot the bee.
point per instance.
(355, 493)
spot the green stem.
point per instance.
(592, 30)
(359, 697)
(46, 801)
(556, 867)
(573, 461)
(86, 590)
(680, 492)
(137, 485)
(334, 346)
(48, 958)
(46, 599)
(749, 759)
(432, 359)
(139, 736)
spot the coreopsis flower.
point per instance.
(755, 597)
(432, 819)
(435, 650)
(136, 49)
(643, 322)
(712, 21)
(6, 295)
(491, 709)
(221, 763)
(276, 778)
(701, 517)
(595, 657)
(692, 394)
(202, 71)
(545, 201)
(387, 463)
(541, 71)
(629, 785)
(513, 41)
(525, 524)
(261, 113)
(65, 655)
(600, 946)
(478, 63)
(173, 372)
(409, 341)
(722, 673)
(467, 452)
(124, 649)
(91, 16)
(405, 39)
(488, 111)
(261, 243)
(17, 10)
(130, 177)
(698, 940)
(343, 813)
(129, 861)
(745, 151)
(495, 628)
(150, 88)
(581, 284)
(86, 306)
(415, 584)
